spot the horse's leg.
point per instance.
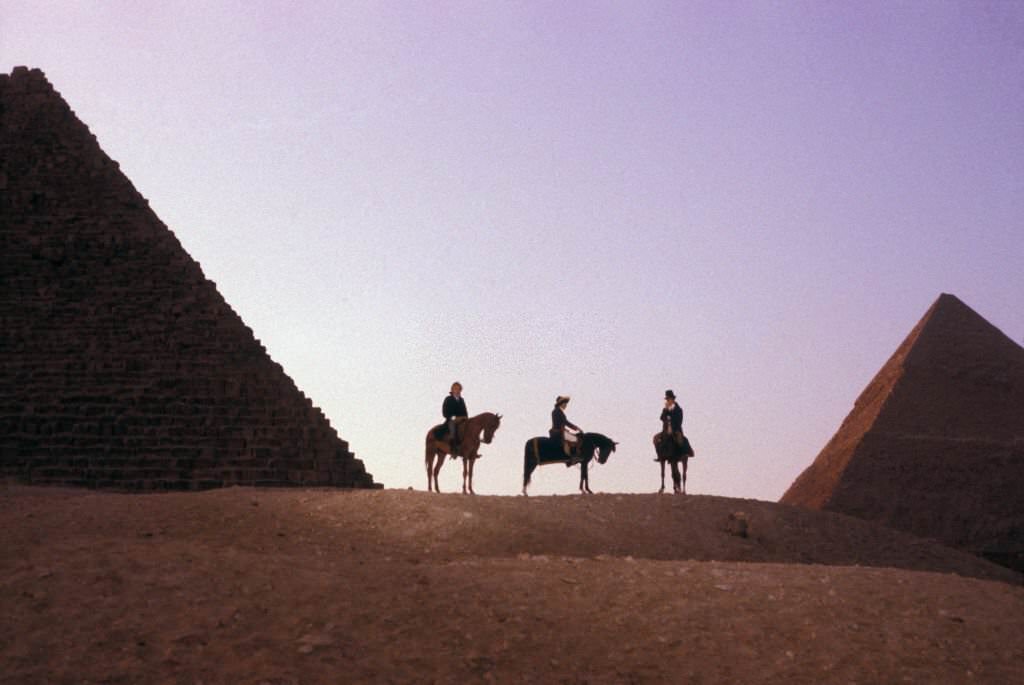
(528, 467)
(527, 470)
(675, 477)
(585, 477)
(662, 462)
(429, 460)
(465, 473)
(685, 461)
(437, 469)
(474, 455)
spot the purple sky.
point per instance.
(750, 203)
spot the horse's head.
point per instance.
(605, 446)
(491, 423)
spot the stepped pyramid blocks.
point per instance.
(121, 365)
(935, 444)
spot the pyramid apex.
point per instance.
(24, 72)
(25, 79)
(952, 324)
(947, 300)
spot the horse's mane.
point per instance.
(602, 440)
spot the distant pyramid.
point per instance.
(935, 444)
(121, 365)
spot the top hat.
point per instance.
(669, 395)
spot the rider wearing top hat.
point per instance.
(454, 407)
(672, 418)
(558, 431)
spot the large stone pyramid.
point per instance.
(935, 444)
(121, 365)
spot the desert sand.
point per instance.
(295, 586)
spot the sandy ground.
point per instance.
(319, 586)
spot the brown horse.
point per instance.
(667, 450)
(469, 432)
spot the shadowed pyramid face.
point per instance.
(127, 368)
(932, 445)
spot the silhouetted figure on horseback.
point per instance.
(458, 436)
(560, 426)
(564, 447)
(671, 444)
(672, 419)
(453, 408)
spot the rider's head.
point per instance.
(456, 388)
(670, 397)
(561, 401)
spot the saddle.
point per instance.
(669, 445)
(571, 448)
(441, 432)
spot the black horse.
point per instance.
(540, 451)
(667, 450)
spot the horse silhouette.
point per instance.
(667, 450)
(541, 451)
(469, 430)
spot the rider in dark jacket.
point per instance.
(454, 407)
(672, 418)
(559, 422)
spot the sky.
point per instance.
(749, 203)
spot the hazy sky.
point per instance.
(751, 203)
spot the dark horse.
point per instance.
(469, 430)
(667, 450)
(540, 451)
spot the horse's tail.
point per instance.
(431, 443)
(529, 461)
(526, 464)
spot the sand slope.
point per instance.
(318, 586)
